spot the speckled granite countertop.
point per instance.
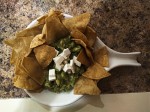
(123, 25)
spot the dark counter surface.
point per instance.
(123, 25)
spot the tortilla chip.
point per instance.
(83, 58)
(44, 54)
(76, 34)
(21, 47)
(96, 71)
(37, 40)
(88, 51)
(22, 80)
(79, 22)
(13, 57)
(44, 30)
(41, 20)
(54, 29)
(101, 56)
(91, 35)
(33, 69)
(61, 17)
(53, 12)
(79, 41)
(33, 31)
(10, 42)
(86, 86)
(56, 13)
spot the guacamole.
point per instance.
(65, 80)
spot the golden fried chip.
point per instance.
(13, 57)
(54, 29)
(76, 34)
(83, 58)
(33, 69)
(91, 35)
(56, 13)
(79, 22)
(44, 30)
(53, 12)
(86, 86)
(33, 31)
(10, 42)
(20, 46)
(79, 41)
(101, 56)
(96, 71)
(41, 20)
(61, 17)
(37, 40)
(25, 82)
(44, 54)
(88, 51)
(22, 79)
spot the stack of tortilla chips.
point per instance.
(32, 52)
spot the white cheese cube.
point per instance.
(72, 69)
(65, 68)
(52, 75)
(71, 62)
(72, 66)
(58, 60)
(63, 55)
(76, 61)
(66, 53)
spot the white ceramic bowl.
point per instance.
(60, 99)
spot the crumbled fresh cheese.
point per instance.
(62, 57)
(72, 66)
(76, 61)
(68, 67)
(52, 75)
(71, 63)
(65, 68)
(58, 59)
(72, 69)
(66, 53)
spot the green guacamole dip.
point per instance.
(65, 81)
